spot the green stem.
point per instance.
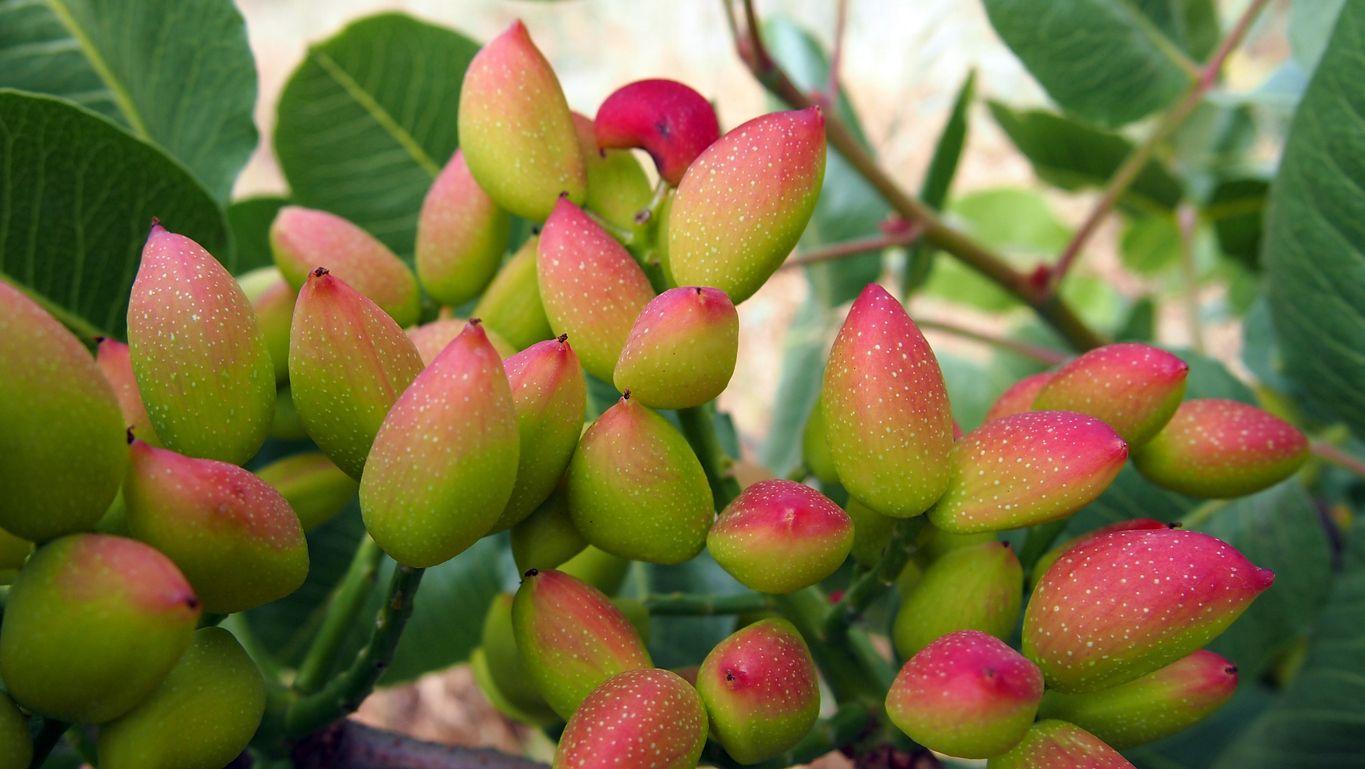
(1336, 456)
(873, 583)
(699, 427)
(689, 604)
(870, 658)
(342, 608)
(45, 739)
(806, 609)
(1038, 541)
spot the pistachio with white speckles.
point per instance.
(665, 118)
(312, 485)
(511, 306)
(117, 366)
(272, 299)
(681, 350)
(1019, 397)
(980, 587)
(640, 719)
(618, 187)
(503, 668)
(1053, 744)
(1132, 387)
(779, 536)
(547, 537)
(1045, 562)
(461, 236)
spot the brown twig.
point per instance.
(1036, 352)
(349, 744)
(835, 251)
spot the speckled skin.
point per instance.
(1027, 469)
(233, 536)
(201, 717)
(618, 187)
(1157, 705)
(547, 537)
(511, 306)
(313, 486)
(1132, 387)
(886, 409)
(1222, 448)
(590, 287)
(665, 118)
(1055, 744)
(516, 131)
(571, 638)
(635, 488)
(966, 694)
(348, 363)
(1122, 604)
(92, 626)
(979, 587)
(16, 749)
(272, 299)
(443, 464)
(641, 719)
(761, 690)
(461, 236)
(200, 358)
(506, 673)
(744, 203)
(598, 568)
(1050, 557)
(779, 536)
(681, 350)
(1019, 397)
(431, 338)
(117, 367)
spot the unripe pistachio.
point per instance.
(1027, 469)
(16, 747)
(287, 425)
(547, 537)
(1132, 387)
(304, 239)
(1157, 705)
(871, 532)
(591, 288)
(431, 338)
(200, 357)
(598, 568)
(665, 118)
(779, 536)
(483, 678)
(348, 363)
(506, 673)
(13, 552)
(201, 717)
(315, 488)
(637, 613)
(636, 489)
(761, 690)
(114, 361)
(744, 203)
(815, 448)
(966, 694)
(516, 131)
(1019, 397)
(681, 350)
(886, 409)
(272, 299)
(1055, 744)
(1050, 557)
(444, 462)
(933, 543)
(1221, 448)
(511, 307)
(618, 188)
(639, 719)
(461, 236)
(1122, 604)
(571, 638)
(978, 588)
(92, 626)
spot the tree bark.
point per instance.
(349, 744)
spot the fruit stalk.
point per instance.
(343, 606)
(702, 605)
(872, 583)
(699, 427)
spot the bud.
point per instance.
(571, 638)
(461, 236)
(1120, 605)
(16, 746)
(1059, 745)
(1027, 469)
(92, 626)
(1019, 397)
(618, 188)
(665, 118)
(871, 532)
(591, 287)
(315, 488)
(641, 718)
(511, 307)
(636, 489)
(966, 694)
(546, 538)
(1221, 448)
(1132, 387)
(681, 350)
(779, 536)
(516, 131)
(348, 363)
(444, 462)
(815, 448)
(201, 717)
(117, 367)
(977, 588)
(1157, 705)
(272, 299)
(886, 409)
(431, 338)
(502, 663)
(745, 201)
(761, 690)
(200, 358)
(1050, 557)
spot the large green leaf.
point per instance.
(76, 198)
(177, 73)
(1315, 231)
(250, 219)
(369, 118)
(1190, 24)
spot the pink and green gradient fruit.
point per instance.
(744, 202)
(1157, 705)
(639, 719)
(681, 350)
(1123, 604)
(886, 409)
(431, 338)
(761, 690)
(313, 486)
(1027, 469)
(507, 683)
(444, 462)
(272, 299)
(1019, 397)
(1221, 448)
(571, 638)
(348, 363)
(547, 537)
(1050, 557)
(779, 536)
(516, 131)
(1053, 744)
(979, 587)
(114, 361)
(233, 536)
(16, 747)
(201, 717)
(461, 236)
(92, 626)
(200, 358)
(511, 306)
(1132, 387)
(618, 187)
(635, 488)
(966, 694)
(665, 118)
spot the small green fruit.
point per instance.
(1050, 557)
(314, 487)
(618, 187)
(779, 536)
(1019, 397)
(13, 552)
(598, 568)
(1132, 387)
(681, 350)
(287, 425)
(16, 748)
(1055, 744)
(979, 588)
(503, 663)
(665, 118)
(871, 532)
(272, 299)
(546, 538)
(461, 236)
(639, 719)
(511, 307)
(113, 359)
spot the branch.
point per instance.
(349, 744)
(1036, 352)
(342, 608)
(866, 588)
(689, 604)
(830, 96)
(699, 427)
(848, 248)
(1336, 456)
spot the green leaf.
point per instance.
(803, 364)
(1315, 231)
(680, 641)
(369, 118)
(176, 73)
(1310, 25)
(937, 180)
(1190, 24)
(1150, 244)
(1209, 378)
(76, 198)
(250, 219)
(1139, 325)
(1236, 208)
(1099, 59)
